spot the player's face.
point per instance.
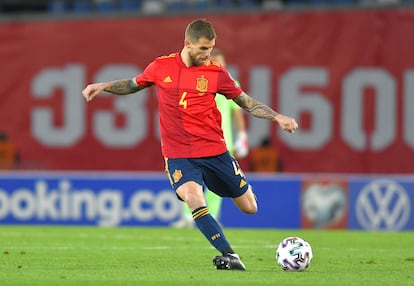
(199, 52)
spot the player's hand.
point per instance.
(241, 147)
(287, 123)
(93, 90)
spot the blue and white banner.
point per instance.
(103, 199)
(285, 201)
(382, 203)
(278, 199)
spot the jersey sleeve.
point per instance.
(227, 85)
(147, 78)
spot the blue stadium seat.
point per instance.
(318, 2)
(81, 6)
(343, 1)
(296, 2)
(129, 5)
(57, 6)
(176, 5)
(224, 3)
(201, 4)
(248, 4)
(105, 6)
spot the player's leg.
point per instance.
(192, 194)
(213, 204)
(247, 202)
(187, 181)
(225, 178)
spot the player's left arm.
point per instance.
(261, 110)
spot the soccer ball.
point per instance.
(294, 254)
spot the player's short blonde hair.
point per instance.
(200, 28)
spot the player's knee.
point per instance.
(192, 194)
(250, 209)
(247, 203)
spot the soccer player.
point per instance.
(192, 140)
(9, 156)
(231, 114)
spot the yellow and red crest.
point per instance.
(177, 175)
(202, 84)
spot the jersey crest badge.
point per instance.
(177, 175)
(202, 85)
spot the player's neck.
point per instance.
(186, 59)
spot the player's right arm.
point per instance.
(119, 87)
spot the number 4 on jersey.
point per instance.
(183, 101)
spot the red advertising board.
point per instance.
(346, 76)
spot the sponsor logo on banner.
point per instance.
(383, 205)
(91, 202)
(324, 204)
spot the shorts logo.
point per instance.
(177, 175)
(242, 183)
(202, 85)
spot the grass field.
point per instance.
(163, 256)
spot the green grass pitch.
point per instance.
(164, 256)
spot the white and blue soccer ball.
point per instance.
(294, 254)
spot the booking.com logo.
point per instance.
(105, 207)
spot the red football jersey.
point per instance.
(190, 122)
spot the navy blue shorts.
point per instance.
(221, 174)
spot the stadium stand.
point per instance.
(81, 6)
(175, 6)
(129, 5)
(105, 5)
(149, 6)
(57, 6)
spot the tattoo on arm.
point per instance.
(123, 86)
(254, 107)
